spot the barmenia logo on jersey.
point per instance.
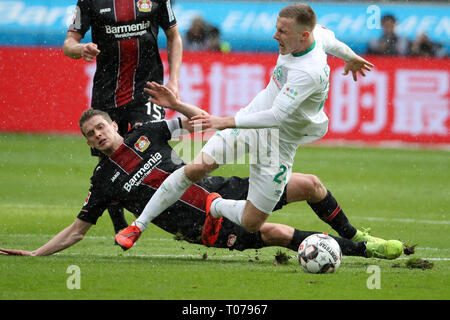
(142, 144)
(143, 171)
(144, 5)
(128, 30)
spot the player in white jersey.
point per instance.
(292, 103)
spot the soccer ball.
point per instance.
(319, 253)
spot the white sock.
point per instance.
(167, 194)
(230, 209)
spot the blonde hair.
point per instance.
(302, 13)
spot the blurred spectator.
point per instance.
(424, 47)
(389, 43)
(203, 36)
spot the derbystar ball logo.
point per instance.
(142, 144)
(329, 250)
(144, 6)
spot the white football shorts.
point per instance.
(258, 148)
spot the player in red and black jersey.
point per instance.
(124, 41)
(136, 166)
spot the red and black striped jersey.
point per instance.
(126, 33)
(132, 174)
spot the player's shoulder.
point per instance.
(153, 126)
(99, 171)
(157, 130)
(85, 2)
(322, 32)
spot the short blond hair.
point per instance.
(302, 13)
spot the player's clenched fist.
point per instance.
(89, 51)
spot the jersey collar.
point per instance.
(302, 53)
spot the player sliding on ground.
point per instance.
(135, 166)
(292, 103)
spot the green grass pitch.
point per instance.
(399, 194)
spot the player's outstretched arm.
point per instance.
(353, 62)
(207, 121)
(66, 238)
(164, 97)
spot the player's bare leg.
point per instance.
(274, 234)
(198, 168)
(253, 218)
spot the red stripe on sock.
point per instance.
(335, 212)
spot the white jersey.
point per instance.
(297, 92)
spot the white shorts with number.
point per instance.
(259, 148)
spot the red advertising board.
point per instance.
(403, 100)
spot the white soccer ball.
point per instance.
(319, 253)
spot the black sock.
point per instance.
(117, 217)
(329, 211)
(348, 247)
(298, 238)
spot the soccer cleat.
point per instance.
(387, 249)
(212, 225)
(364, 235)
(128, 236)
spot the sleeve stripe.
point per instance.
(170, 11)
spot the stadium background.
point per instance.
(405, 100)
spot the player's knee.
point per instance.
(199, 167)
(315, 190)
